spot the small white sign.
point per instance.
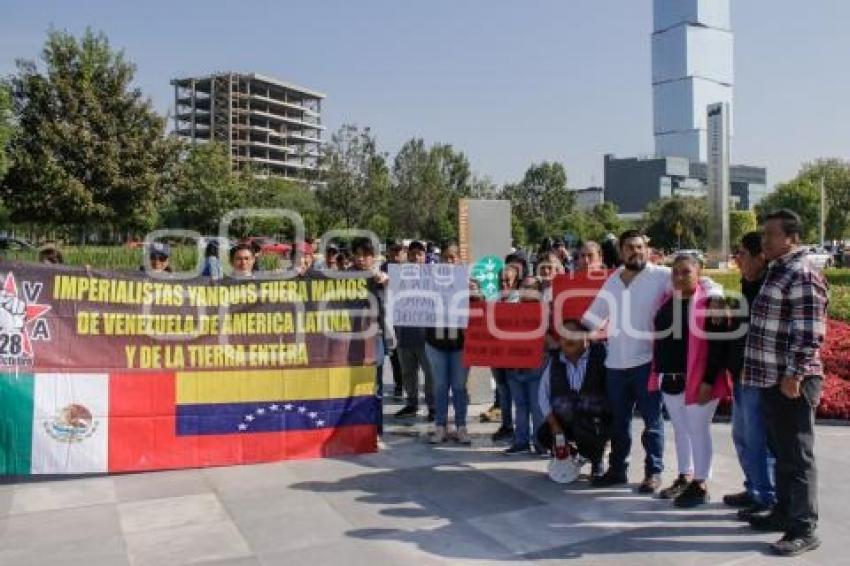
(429, 295)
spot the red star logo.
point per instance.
(33, 312)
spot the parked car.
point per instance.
(269, 245)
(10, 244)
(821, 258)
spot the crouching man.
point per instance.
(572, 396)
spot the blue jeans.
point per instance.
(628, 388)
(524, 386)
(503, 391)
(448, 374)
(750, 437)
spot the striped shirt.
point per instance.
(788, 323)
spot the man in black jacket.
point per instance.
(572, 396)
(748, 426)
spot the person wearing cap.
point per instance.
(302, 258)
(159, 254)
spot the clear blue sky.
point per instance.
(507, 82)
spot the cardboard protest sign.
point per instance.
(505, 335)
(428, 295)
(572, 293)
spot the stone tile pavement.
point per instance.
(410, 503)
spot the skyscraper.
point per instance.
(692, 67)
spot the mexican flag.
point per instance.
(53, 423)
(66, 423)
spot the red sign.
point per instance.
(505, 335)
(573, 293)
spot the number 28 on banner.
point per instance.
(18, 315)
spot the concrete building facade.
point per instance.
(272, 127)
(587, 199)
(632, 183)
(692, 67)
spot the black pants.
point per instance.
(396, 365)
(590, 443)
(791, 436)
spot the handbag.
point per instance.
(672, 383)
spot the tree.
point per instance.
(5, 126)
(542, 194)
(204, 189)
(836, 177)
(89, 149)
(800, 195)
(740, 222)
(677, 222)
(428, 181)
(356, 188)
(803, 193)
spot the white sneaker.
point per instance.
(438, 436)
(462, 437)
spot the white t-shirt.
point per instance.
(630, 311)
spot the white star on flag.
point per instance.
(242, 426)
(312, 414)
(274, 407)
(261, 411)
(320, 422)
(249, 418)
(302, 409)
(288, 406)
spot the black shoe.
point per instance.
(650, 484)
(771, 523)
(748, 513)
(431, 415)
(742, 499)
(595, 470)
(676, 489)
(794, 545)
(407, 411)
(695, 494)
(398, 393)
(504, 433)
(517, 449)
(609, 479)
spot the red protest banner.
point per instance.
(572, 293)
(505, 335)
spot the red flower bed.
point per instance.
(835, 401)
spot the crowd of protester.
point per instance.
(656, 338)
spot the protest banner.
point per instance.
(572, 293)
(106, 372)
(505, 335)
(429, 295)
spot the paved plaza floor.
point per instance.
(409, 504)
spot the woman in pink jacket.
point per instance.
(690, 394)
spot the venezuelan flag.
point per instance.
(212, 418)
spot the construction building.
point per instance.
(272, 127)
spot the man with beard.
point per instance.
(627, 303)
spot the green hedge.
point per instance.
(839, 289)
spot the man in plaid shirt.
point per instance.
(782, 357)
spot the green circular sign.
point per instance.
(486, 272)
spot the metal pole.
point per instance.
(822, 211)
